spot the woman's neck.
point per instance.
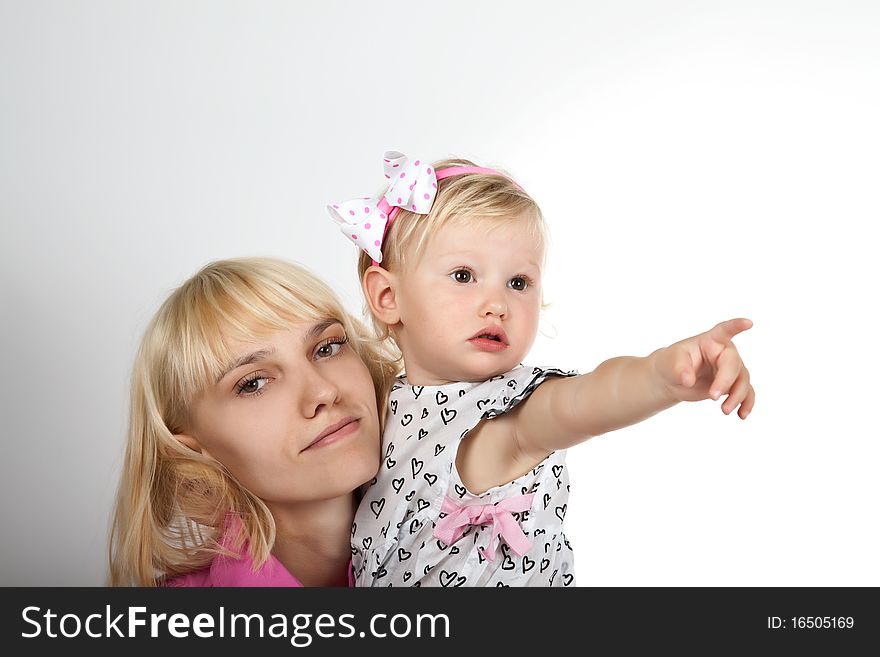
(312, 539)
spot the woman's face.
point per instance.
(294, 418)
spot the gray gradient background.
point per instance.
(695, 160)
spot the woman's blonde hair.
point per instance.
(460, 200)
(172, 502)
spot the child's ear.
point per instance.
(379, 289)
(191, 443)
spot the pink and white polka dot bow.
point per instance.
(412, 186)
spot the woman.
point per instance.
(253, 422)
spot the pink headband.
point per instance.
(413, 187)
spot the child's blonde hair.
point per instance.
(460, 200)
(172, 502)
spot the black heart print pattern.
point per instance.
(397, 516)
(451, 579)
(448, 415)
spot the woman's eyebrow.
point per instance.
(246, 360)
(314, 331)
(318, 328)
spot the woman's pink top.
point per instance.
(238, 570)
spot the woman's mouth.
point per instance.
(335, 432)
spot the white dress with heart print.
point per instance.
(393, 536)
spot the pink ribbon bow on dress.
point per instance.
(450, 528)
(412, 186)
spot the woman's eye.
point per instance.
(330, 348)
(518, 283)
(253, 386)
(461, 276)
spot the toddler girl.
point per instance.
(473, 487)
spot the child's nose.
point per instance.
(494, 308)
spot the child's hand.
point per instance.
(707, 366)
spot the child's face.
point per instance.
(261, 419)
(471, 280)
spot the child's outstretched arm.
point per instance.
(626, 390)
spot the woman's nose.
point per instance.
(318, 391)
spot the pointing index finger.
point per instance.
(725, 331)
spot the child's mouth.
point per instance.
(489, 342)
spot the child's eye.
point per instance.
(518, 283)
(329, 348)
(462, 276)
